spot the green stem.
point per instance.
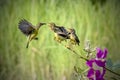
(77, 54)
(88, 59)
(112, 71)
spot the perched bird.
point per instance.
(29, 30)
(59, 31)
(73, 37)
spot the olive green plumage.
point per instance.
(29, 30)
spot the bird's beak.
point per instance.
(43, 23)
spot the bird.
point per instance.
(29, 30)
(73, 37)
(60, 32)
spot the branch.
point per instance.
(77, 54)
(112, 71)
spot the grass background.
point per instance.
(45, 59)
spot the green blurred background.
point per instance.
(45, 59)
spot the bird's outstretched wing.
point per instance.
(26, 27)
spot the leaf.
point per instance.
(116, 65)
(109, 63)
(113, 78)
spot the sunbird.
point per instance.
(60, 32)
(73, 37)
(29, 30)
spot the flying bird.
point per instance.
(60, 32)
(73, 37)
(29, 30)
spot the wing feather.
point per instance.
(77, 39)
(63, 35)
(26, 27)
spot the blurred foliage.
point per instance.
(45, 59)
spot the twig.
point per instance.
(88, 59)
(77, 54)
(112, 71)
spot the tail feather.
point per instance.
(27, 44)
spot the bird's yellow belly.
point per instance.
(58, 38)
(72, 40)
(33, 35)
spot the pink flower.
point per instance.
(96, 70)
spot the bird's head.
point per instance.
(71, 30)
(51, 25)
(40, 24)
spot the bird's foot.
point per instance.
(67, 46)
(36, 38)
